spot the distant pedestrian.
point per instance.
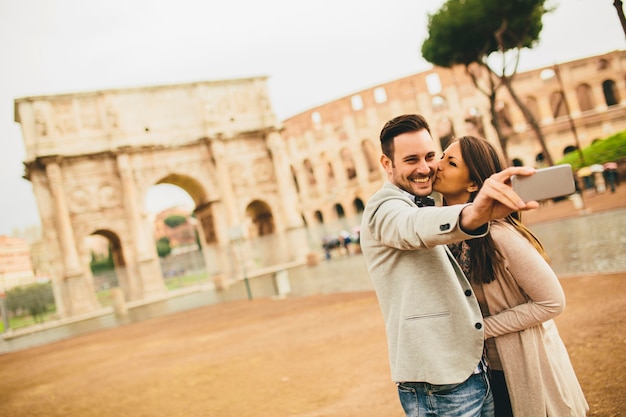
(345, 239)
(598, 178)
(610, 175)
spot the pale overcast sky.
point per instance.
(312, 52)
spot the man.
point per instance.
(433, 323)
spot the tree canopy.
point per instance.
(464, 31)
(175, 220)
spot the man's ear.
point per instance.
(386, 163)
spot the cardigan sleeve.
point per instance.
(529, 293)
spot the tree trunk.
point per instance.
(530, 119)
(620, 14)
(495, 120)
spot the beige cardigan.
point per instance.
(540, 377)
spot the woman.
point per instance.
(518, 293)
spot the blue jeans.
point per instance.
(472, 398)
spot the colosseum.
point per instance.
(334, 148)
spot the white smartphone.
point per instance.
(546, 183)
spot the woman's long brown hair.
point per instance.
(483, 160)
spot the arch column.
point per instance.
(295, 233)
(597, 92)
(572, 102)
(320, 174)
(149, 269)
(81, 298)
(226, 189)
(67, 242)
(207, 234)
(302, 175)
(286, 188)
(360, 164)
(226, 208)
(543, 106)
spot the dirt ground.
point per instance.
(323, 355)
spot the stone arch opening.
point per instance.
(569, 149)
(348, 163)
(445, 131)
(265, 245)
(340, 211)
(517, 162)
(330, 179)
(371, 157)
(533, 107)
(261, 218)
(584, 95)
(540, 159)
(187, 183)
(611, 96)
(105, 247)
(308, 169)
(359, 206)
(187, 247)
(294, 178)
(557, 104)
(474, 122)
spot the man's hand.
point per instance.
(496, 199)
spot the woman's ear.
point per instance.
(472, 188)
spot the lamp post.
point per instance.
(4, 312)
(557, 72)
(236, 237)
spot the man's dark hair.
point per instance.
(397, 126)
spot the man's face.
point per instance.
(414, 163)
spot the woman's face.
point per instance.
(452, 179)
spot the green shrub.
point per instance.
(612, 148)
(36, 299)
(163, 247)
(175, 220)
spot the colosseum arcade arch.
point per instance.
(91, 158)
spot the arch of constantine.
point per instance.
(91, 158)
(278, 186)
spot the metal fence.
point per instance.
(33, 304)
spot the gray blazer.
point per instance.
(433, 322)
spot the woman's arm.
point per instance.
(528, 294)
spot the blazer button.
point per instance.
(444, 227)
(478, 326)
(468, 292)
